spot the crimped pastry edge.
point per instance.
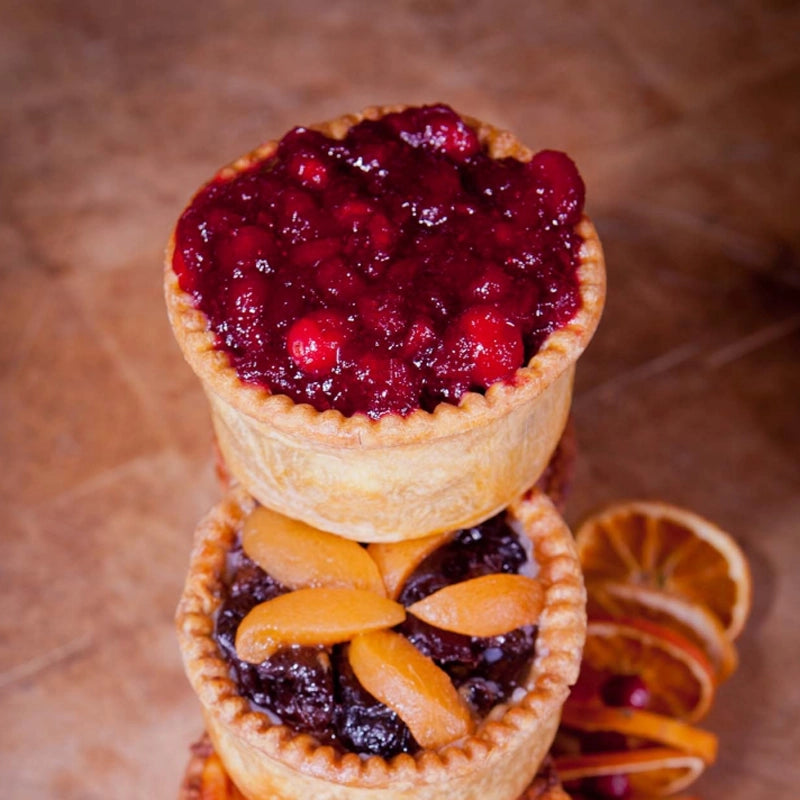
(483, 766)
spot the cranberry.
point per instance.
(309, 170)
(614, 787)
(481, 253)
(564, 191)
(340, 281)
(492, 284)
(491, 342)
(626, 691)
(247, 248)
(315, 341)
(438, 128)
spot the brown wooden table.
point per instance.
(685, 120)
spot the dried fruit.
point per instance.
(317, 616)
(652, 771)
(397, 560)
(679, 677)
(299, 556)
(643, 725)
(391, 669)
(671, 549)
(486, 606)
(685, 617)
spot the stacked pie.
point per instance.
(385, 312)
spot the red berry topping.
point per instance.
(315, 341)
(625, 690)
(395, 269)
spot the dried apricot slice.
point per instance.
(397, 560)
(486, 606)
(391, 669)
(316, 616)
(298, 555)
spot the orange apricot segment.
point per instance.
(486, 606)
(298, 555)
(315, 616)
(391, 669)
(397, 560)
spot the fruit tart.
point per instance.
(391, 671)
(385, 311)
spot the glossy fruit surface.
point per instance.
(391, 270)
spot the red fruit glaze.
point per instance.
(394, 269)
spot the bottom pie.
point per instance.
(491, 755)
(206, 779)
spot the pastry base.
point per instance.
(206, 779)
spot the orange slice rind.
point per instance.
(657, 771)
(653, 728)
(689, 619)
(489, 605)
(308, 617)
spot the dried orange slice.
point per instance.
(678, 675)
(655, 771)
(653, 728)
(691, 620)
(659, 545)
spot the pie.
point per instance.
(444, 402)
(491, 753)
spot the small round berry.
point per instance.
(315, 341)
(610, 787)
(563, 189)
(491, 342)
(309, 170)
(625, 691)
(248, 248)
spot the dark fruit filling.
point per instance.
(394, 269)
(315, 691)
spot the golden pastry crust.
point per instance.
(395, 477)
(205, 778)
(497, 762)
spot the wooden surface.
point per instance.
(685, 120)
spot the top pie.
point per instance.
(397, 294)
